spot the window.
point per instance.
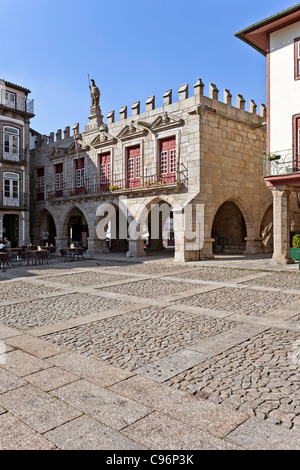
(297, 58)
(11, 143)
(79, 175)
(9, 99)
(40, 184)
(59, 180)
(168, 159)
(11, 187)
(105, 170)
(133, 166)
(296, 141)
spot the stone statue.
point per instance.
(95, 94)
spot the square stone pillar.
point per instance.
(60, 242)
(136, 248)
(186, 248)
(281, 225)
(96, 246)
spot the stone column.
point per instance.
(60, 242)
(96, 246)
(253, 246)
(186, 248)
(136, 247)
(281, 225)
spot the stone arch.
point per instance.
(229, 227)
(45, 219)
(75, 226)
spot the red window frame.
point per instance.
(79, 175)
(40, 186)
(105, 170)
(168, 159)
(297, 58)
(296, 141)
(59, 180)
(133, 166)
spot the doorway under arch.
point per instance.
(229, 229)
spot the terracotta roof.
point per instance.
(257, 34)
(16, 87)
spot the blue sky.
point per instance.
(132, 49)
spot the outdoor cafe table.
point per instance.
(34, 256)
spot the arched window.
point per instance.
(11, 143)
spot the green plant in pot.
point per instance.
(295, 249)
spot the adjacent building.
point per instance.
(193, 165)
(16, 110)
(278, 38)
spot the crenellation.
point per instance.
(253, 107)
(150, 103)
(213, 92)
(111, 117)
(136, 108)
(227, 97)
(199, 88)
(183, 92)
(67, 132)
(167, 98)
(123, 113)
(240, 102)
(58, 135)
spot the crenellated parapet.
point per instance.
(196, 103)
(211, 101)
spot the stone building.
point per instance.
(16, 110)
(278, 38)
(195, 163)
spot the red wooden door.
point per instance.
(59, 180)
(105, 171)
(168, 162)
(133, 167)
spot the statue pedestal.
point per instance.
(95, 117)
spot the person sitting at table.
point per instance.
(2, 246)
(7, 243)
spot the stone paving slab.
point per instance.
(90, 369)
(51, 378)
(201, 414)
(85, 433)
(171, 365)
(104, 405)
(9, 381)
(256, 434)
(37, 408)
(160, 432)
(23, 364)
(19, 436)
(33, 346)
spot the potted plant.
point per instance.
(295, 249)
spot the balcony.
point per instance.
(281, 168)
(13, 157)
(19, 103)
(280, 163)
(93, 187)
(21, 202)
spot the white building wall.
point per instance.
(284, 89)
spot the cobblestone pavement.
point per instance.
(113, 354)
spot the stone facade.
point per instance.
(215, 163)
(15, 114)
